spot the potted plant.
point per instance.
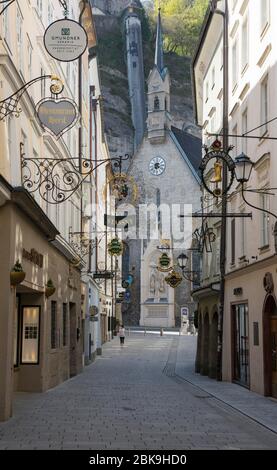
(17, 274)
(50, 288)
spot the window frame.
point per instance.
(23, 307)
(55, 335)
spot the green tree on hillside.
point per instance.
(182, 21)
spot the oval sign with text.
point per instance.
(57, 116)
(65, 40)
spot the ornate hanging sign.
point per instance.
(65, 40)
(212, 166)
(123, 186)
(164, 263)
(58, 115)
(174, 279)
(115, 247)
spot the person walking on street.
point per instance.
(121, 333)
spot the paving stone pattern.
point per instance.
(131, 398)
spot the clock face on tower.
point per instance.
(157, 166)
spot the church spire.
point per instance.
(159, 54)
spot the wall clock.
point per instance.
(157, 166)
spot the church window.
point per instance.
(134, 65)
(165, 104)
(156, 104)
(158, 202)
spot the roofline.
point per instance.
(203, 34)
(183, 153)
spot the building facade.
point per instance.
(167, 157)
(51, 320)
(249, 328)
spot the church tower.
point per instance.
(158, 93)
(135, 71)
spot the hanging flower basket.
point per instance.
(17, 274)
(49, 289)
(115, 247)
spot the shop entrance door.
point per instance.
(73, 340)
(241, 344)
(273, 336)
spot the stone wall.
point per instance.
(112, 7)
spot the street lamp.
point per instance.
(188, 275)
(243, 168)
(182, 261)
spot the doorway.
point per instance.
(270, 346)
(213, 346)
(241, 345)
(73, 339)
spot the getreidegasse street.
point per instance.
(139, 396)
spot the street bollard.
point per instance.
(129, 331)
(180, 331)
(144, 331)
(161, 332)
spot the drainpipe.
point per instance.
(225, 15)
(80, 75)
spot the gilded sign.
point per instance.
(57, 116)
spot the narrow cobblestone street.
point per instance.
(131, 398)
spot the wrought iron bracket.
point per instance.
(6, 4)
(10, 105)
(57, 179)
(192, 276)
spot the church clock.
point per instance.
(157, 166)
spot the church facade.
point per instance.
(165, 170)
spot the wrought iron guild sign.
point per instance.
(56, 179)
(10, 105)
(65, 40)
(216, 152)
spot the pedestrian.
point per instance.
(121, 334)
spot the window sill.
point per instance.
(244, 69)
(235, 87)
(264, 30)
(262, 138)
(264, 249)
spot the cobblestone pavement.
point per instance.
(131, 398)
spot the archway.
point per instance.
(213, 346)
(205, 349)
(270, 346)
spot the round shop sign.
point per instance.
(65, 40)
(57, 116)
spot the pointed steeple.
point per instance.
(159, 54)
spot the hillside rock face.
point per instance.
(113, 72)
(111, 7)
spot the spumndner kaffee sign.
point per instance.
(65, 40)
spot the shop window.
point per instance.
(53, 325)
(15, 333)
(64, 324)
(30, 335)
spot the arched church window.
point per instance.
(158, 203)
(156, 104)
